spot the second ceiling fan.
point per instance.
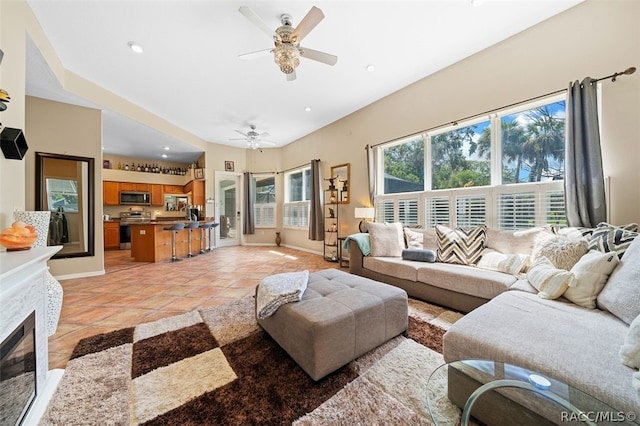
(254, 139)
(286, 38)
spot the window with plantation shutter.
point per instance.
(470, 210)
(408, 212)
(516, 211)
(264, 200)
(296, 215)
(295, 210)
(555, 211)
(384, 211)
(437, 212)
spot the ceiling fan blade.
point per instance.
(291, 77)
(243, 134)
(266, 143)
(316, 55)
(263, 135)
(256, 54)
(258, 22)
(309, 22)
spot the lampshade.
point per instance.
(364, 213)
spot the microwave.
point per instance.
(135, 198)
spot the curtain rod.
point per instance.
(613, 77)
(296, 167)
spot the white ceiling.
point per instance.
(190, 74)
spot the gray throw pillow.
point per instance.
(621, 294)
(419, 255)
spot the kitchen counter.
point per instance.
(151, 243)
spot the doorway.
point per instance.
(228, 187)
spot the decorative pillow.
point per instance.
(508, 263)
(548, 280)
(414, 239)
(419, 255)
(386, 239)
(610, 238)
(563, 252)
(621, 294)
(460, 245)
(591, 272)
(630, 350)
(574, 232)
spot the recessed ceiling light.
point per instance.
(477, 2)
(135, 47)
(166, 148)
(164, 156)
(371, 68)
(307, 109)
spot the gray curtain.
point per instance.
(316, 218)
(371, 173)
(249, 222)
(583, 175)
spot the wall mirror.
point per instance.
(65, 186)
(343, 181)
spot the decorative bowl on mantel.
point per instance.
(19, 237)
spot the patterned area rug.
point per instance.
(217, 366)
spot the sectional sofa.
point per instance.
(508, 321)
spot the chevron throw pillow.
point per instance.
(609, 238)
(460, 245)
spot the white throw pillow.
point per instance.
(591, 272)
(501, 262)
(630, 350)
(414, 239)
(550, 282)
(386, 239)
(562, 252)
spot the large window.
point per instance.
(298, 194)
(264, 202)
(505, 171)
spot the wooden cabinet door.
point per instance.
(198, 192)
(157, 195)
(173, 189)
(142, 187)
(111, 236)
(127, 186)
(110, 193)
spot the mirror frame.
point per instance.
(41, 192)
(338, 169)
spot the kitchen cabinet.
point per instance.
(157, 194)
(173, 189)
(135, 187)
(111, 235)
(196, 189)
(111, 193)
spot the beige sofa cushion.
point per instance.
(591, 272)
(393, 266)
(465, 279)
(512, 242)
(550, 281)
(576, 345)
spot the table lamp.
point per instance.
(366, 214)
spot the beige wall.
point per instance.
(592, 39)
(59, 128)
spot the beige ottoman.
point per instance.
(340, 317)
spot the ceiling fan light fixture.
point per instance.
(287, 57)
(135, 47)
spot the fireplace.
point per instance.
(18, 372)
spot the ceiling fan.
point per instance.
(287, 50)
(253, 138)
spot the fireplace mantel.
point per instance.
(22, 291)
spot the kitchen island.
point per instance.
(151, 243)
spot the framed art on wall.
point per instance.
(198, 173)
(228, 166)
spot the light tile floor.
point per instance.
(131, 292)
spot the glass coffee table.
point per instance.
(501, 393)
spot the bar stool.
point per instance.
(206, 229)
(174, 230)
(190, 227)
(203, 237)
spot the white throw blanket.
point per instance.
(276, 290)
